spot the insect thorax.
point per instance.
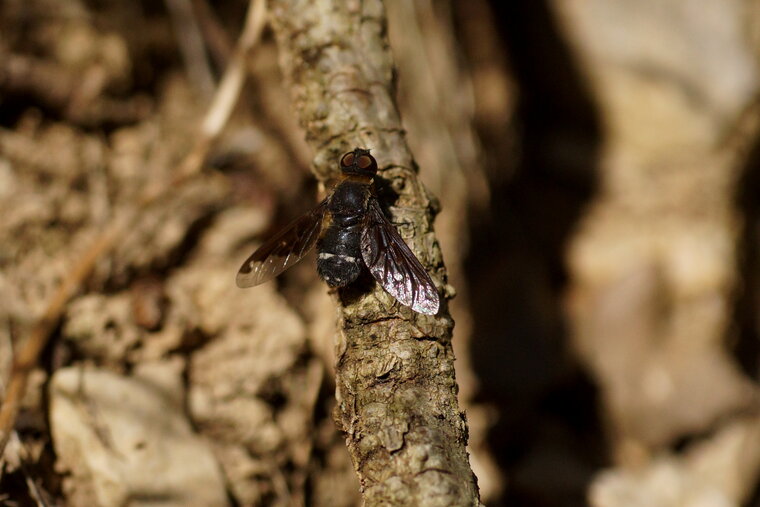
(350, 198)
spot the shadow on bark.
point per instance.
(546, 435)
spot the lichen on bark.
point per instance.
(396, 388)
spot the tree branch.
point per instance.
(396, 389)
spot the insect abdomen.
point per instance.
(339, 258)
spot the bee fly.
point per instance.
(350, 230)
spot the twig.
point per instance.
(270, 112)
(216, 117)
(232, 82)
(219, 45)
(191, 45)
(396, 389)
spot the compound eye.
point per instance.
(365, 161)
(347, 160)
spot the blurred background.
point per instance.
(598, 169)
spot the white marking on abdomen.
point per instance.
(347, 258)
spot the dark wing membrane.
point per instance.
(283, 250)
(394, 265)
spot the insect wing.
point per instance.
(394, 265)
(283, 250)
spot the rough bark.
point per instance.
(396, 389)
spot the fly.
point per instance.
(350, 231)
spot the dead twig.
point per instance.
(217, 41)
(191, 45)
(396, 389)
(218, 113)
